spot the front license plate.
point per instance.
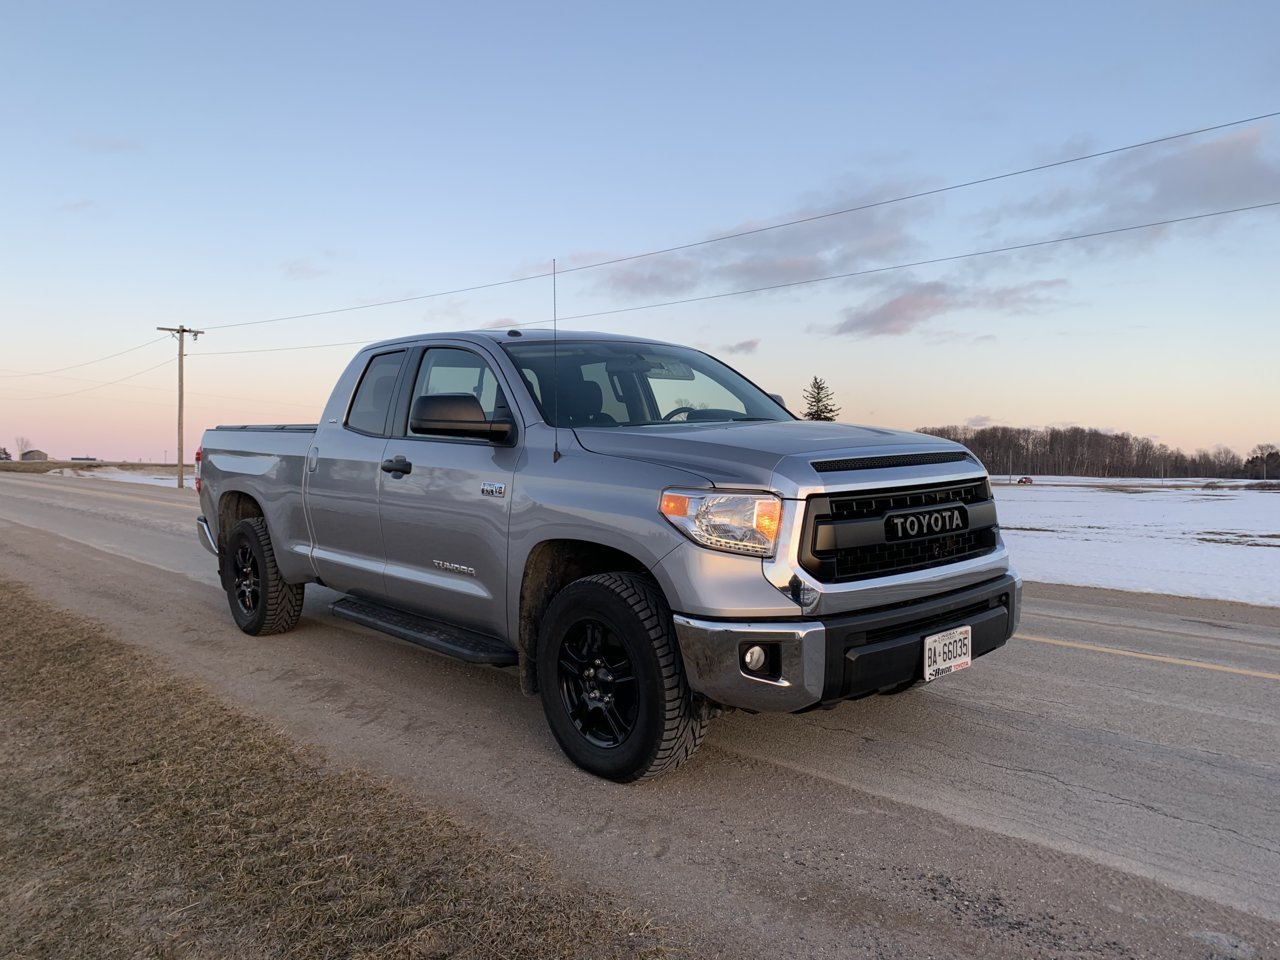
(947, 652)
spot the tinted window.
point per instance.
(449, 370)
(372, 401)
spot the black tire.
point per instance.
(612, 683)
(261, 602)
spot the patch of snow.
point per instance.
(1219, 544)
(127, 476)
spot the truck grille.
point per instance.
(867, 560)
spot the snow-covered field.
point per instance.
(1137, 534)
(1140, 535)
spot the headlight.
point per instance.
(734, 522)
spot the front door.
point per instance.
(444, 523)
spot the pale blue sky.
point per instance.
(166, 164)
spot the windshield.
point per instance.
(618, 384)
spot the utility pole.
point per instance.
(179, 333)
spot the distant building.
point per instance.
(35, 455)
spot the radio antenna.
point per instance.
(555, 363)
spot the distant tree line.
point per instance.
(1086, 452)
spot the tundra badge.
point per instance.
(455, 568)
(488, 489)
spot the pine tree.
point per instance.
(819, 399)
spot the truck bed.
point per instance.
(266, 462)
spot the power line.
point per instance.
(383, 303)
(758, 230)
(921, 194)
(309, 346)
(341, 343)
(76, 366)
(925, 263)
(99, 386)
(190, 393)
(798, 283)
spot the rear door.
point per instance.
(444, 523)
(342, 480)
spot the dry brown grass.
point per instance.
(30, 466)
(140, 816)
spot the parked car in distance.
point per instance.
(1022, 480)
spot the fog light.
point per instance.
(754, 658)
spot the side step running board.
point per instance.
(451, 641)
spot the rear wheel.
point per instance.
(261, 601)
(612, 684)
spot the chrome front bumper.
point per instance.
(841, 657)
(712, 652)
(206, 535)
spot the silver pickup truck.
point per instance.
(646, 535)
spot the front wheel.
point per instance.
(260, 599)
(612, 683)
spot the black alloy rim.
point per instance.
(597, 684)
(248, 586)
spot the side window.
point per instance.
(372, 402)
(451, 370)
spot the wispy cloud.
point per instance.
(1229, 171)
(1159, 183)
(832, 245)
(743, 346)
(78, 206)
(979, 421)
(911, 304)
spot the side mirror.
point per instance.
(777, 398)
(457, 415)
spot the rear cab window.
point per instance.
(371, 404)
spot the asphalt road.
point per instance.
(1106, 785)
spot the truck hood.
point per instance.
(771, 455)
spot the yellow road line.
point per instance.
(1176, 661)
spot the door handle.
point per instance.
(397, 467)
